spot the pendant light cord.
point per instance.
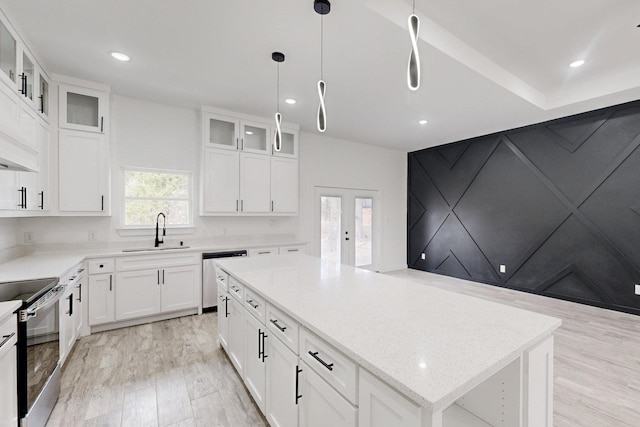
(414, 7)
(278, 89)
(321, 47)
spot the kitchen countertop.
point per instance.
(56, 262)
(430, 344)
(7, 308)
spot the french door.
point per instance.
(346, 226)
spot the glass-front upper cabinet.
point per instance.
(27, 76)
(220, 131)
(255, 137)
(289, 147)
(8, 56)
(43, 95)
(83, 109)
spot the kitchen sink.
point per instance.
(161, 248)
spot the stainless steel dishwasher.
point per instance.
(209, 286)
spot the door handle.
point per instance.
(298, 370)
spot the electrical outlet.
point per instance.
(92, 236)
(424, 256)
(29, 237)
(637, 289)
(503, 268)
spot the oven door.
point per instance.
(40, 383)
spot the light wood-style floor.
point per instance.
(173, 373)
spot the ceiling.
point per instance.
(486, 66)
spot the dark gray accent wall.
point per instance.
(557, 203)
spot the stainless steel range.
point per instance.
(38, 347)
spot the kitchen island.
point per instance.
(421, 356)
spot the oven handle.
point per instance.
(50, 299)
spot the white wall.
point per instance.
(8, 233)
(330, 162)
(148, 134)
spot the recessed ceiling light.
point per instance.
(249, 132)
(120, 56)
(576, 64)
(290, 101)
(423, 122)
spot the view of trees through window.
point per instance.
(147, 193)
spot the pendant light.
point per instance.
(278, 57)
(322, 7)
(413, 70)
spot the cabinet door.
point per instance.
(381, 406)
(255, 138)
(27, 76)
(8, 384)
(138, 293)
(220, 131)
(101, 299)
(321, 405)
(179, 288)
(83, 109)
(43, 96)
(236, 334)
(10, 197)
(255, 338)
(254, 183)
(282, 372)
(284, 185)
(220, 186)
(67, 324)
(289, 144)
(78, 307)
(83, 172)
(8, 54)
(223, 317)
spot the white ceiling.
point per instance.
(486, 65)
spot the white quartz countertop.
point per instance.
(54, 263)
(7, 308)
(430, 344)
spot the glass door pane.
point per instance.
(222, 132)
(288, 146)
(7, 53)
(29, 72)
(83, 110)
(330, 228)
(254, 138)
(363, 232)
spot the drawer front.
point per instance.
(99, 266)
(143, 262)
(263, 251)
(236, 289)
(285, 250)
(283, 327)
(255, 304)
(333, 366)
(8, 327)
(222, 278)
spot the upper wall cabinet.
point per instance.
(8, 54)
(83, 109)
(235, 134)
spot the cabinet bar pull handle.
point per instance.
(102, 203)
(329, 366)
(41, 103)
(264, 356)
(70, 312)
(272, 206)
(226, 306)
(158, 277)
(275, 322)
(260, 351)
(163, 276)
(79, 292)
(6, 338)
(250, 302)
(298, 370)
(264, 253)
(242, 205)
(110, 283)
(236, 206)
(41, 199)
(102, 124)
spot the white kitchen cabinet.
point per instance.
(284, 185)
(79, 305)
(83, 109)
(223, 317)
(382, 406)
(8, 373)
(83, 173)
(220, 191)
(27, 77)
(220, 131)
(179, 288)
(255, 357)
(255, 137)
(36, 184)
(282, 379)
(321, 405)
(236, 334)
(8, 53)
(101, 299)
(289, 146)
(254, 188)
(67, 322)
(137, 294)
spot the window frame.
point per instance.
(124, 227)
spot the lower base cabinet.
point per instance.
(223, 318)
(8, 373)
(282, 385)
(321, 405)
(236, 334)
(381, 406)
(255, 358)
(101, 299)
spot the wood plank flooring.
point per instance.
(173, 373)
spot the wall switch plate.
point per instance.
(92, 236)
(424, 256)
(29, 237)
(503, 268)
(637, 289)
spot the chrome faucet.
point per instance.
(164, 229)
